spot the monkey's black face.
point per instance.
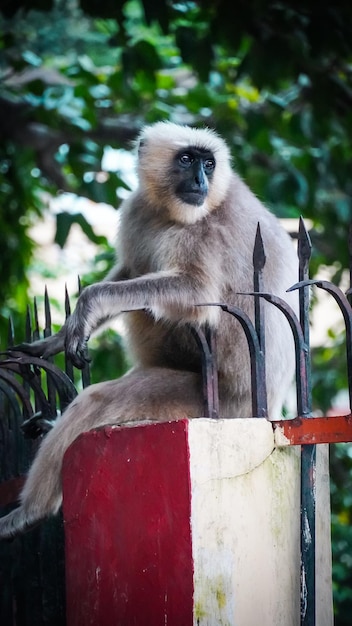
(192, 172)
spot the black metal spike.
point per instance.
(259, 257)
(259, 260)
(68, 364)
(308, 452)
(85, 372)
(304, 252)
(47, 329)
(10, 333)
(36, 322)
(47, 333)
(304, 249)
(67, 303)
(28, 328)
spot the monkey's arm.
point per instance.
(56, 343)
(162, 290)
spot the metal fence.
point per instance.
(33, 391)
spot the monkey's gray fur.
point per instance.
(178, 247)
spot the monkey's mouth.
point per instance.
(195, 198)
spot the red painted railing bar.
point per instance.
(302, 431)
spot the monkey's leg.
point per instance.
(155, 394)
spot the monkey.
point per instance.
(185, 240)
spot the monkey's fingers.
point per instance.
(78, 355)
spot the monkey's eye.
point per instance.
(186, 159)
(209, 165)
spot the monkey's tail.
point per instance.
(158, 394)
(39, 499)
(41, 495)
(16, 522)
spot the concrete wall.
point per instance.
(190, 523)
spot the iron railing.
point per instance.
(33, 391)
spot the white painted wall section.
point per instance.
(245, 523)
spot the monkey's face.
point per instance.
(192, 171)
(184, 173)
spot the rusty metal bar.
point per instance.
(308, 452)
(255, 335)
(28, 327)
(304, 252)
(47, 312)
(27, 366)
(259, 260)
(259, 398)
(346, 311)
(85, 371)
(20, 390)
(47, 333)
(10, 333)
(68, 362)
(211, 339)
(206, 342)
(28, 338)
(302, 431)
(35, 333)
(302, 392)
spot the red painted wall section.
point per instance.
(127, 526)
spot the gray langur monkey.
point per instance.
(186, 237)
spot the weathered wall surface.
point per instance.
(189, 523)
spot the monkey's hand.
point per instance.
(76, 342)
(79, 327)
(96, 304)
(44, 347)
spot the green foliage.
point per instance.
(64, 222)
(275, 81)
(341, 505)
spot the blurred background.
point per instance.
(80, 78)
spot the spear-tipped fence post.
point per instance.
(10, 333)
(68, 363)
(47, 313)
(35, 333)
(308, 452)
(259, 395)
(47, 333)
(85, 375)
(206, 342)
(259, 260)
(28, 338)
